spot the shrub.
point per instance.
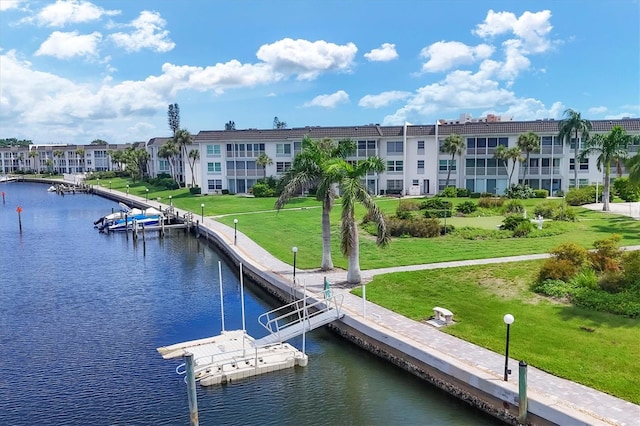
(511, 222)
(466, 207)
(418, 227)
(567, 214)
(612, 282)
(540, 193)
(263, 190)
(225, 192)
(195, 190)
(545, 209)
(559, 193)
(490, 202)
(434, 214)
(449, 192)
(469, 233)
(408, 205)
(606, 256)
(523, 229)
(573, 253)
(463, 192)
(486, 194)
(436, 207)
(557, 269)
(448, 229)
(624, 303)
(580, 196)
(552, 288)
(403, 214)
(513, 206)
(587, 278)
(475, 195)
(631, 269)
(519, 191)
(625, 191)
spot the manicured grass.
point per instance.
(596, 349)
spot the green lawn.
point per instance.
(596, 349)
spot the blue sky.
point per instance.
(74, 71)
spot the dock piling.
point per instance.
(523, 404)
(191, 389)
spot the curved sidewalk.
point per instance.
(586, 405)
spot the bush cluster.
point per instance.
(436, 208)
(519, 191)
(195, 190)
(261, 189)
(606, 279)
(449, 192)
(624, 190)
(163, 181)
(490, 202)
(408, 205)
(463, 192)
(417, 227)
(585, 195)
(540, 193)
(513, 207)
(466, 207)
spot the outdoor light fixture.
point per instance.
(146, 197)
(202, 211)
(295, 252)
(109, 186)
(235, 231)
(508, 319)
(170, 201)
(127, 190)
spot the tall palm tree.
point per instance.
(505, 154)
(182, 138)
(32, 155)
(263, 161)
(634, 170)
(170, 151)
(609, 147)
(528, 143)
(194, 155)
(58, 153)
(308, 171)
(80, 154)
(454, 145)
(352, 189)
(574, 125)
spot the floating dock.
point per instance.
(235, 355)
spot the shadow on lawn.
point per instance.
(594, 320)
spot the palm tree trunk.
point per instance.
(575, 163)
(526, 169)
(353, 274)
(446, 185)
(327, 261)
(607, 184)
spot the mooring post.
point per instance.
(19, 210)
(523, 404)
(191, 390)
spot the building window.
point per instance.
(395, 147)
(283, 166)
(395, 166)
(214, 167)
(420, 166)
(214, 184)
(503, 141)
(283, 149)
(443, 165)
(213, 150)
(394, 185)
(584, 164)
(420, 147)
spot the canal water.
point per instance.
(82, 313)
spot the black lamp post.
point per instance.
(235, 231)
(508, 319)
(170, 201)
(127, 190)
(202, 211)
(146, 196)
(109, 186)
(295, 252)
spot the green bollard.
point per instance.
(523, 405)
(191, 390)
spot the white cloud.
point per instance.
(148, 33)
(384, 53)
(621, 115)
(329, 101)
(382, 99)
(532, 109)
(67, 45)
(64, 12)
(10, 4)
(444, 55)
(597, 110)
(305, 58)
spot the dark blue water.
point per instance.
(82, 313)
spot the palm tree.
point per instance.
(308, 171)
(194, 155)
(609, 147)
(58, 153)
(32, 155)
(117, 157)
(170, 151)
(350, 180)
(573, 125)
(80, 154)
(263, 161)
(182, 138)
(454, 145)
(505, 154)
(528, 143)
(21, 161)
(634, 170)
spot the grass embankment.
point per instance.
(596, 349)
